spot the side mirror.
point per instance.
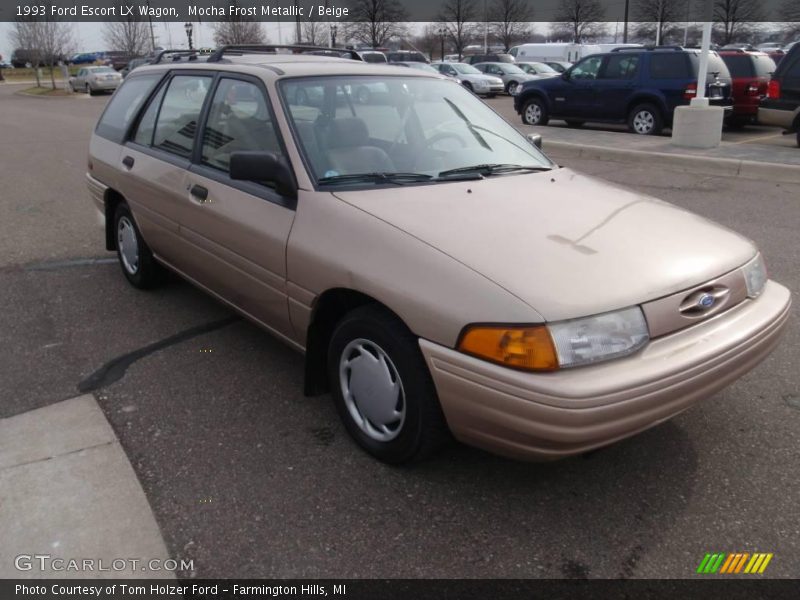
(535, 139)
(263, 166)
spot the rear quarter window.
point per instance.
(669, 66)
(124, 105)
(740, 65)
(764, 65)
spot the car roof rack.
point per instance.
(648, 48)
(241, 49)
(176, 55)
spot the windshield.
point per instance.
(103, 70)
(465, 69)
(414, 127)
(542, 68)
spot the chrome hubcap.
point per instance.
(644, 121)
(128, 245)
(533, 113)
(511, 87)
(372, 390)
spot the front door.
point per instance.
(577, 97)
(239, 229)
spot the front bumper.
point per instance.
(545, 416)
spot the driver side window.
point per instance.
(587, 68)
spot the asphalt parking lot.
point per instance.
(251, 479)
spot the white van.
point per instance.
(556, 51)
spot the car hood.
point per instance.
(568, 245)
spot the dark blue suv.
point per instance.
(640, 86)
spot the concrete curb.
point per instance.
(68, 491)
(709, 165)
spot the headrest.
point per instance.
(347, 133)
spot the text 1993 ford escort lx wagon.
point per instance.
(439, 272)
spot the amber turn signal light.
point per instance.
(529, 348)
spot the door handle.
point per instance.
(128, 161)
(199, 192)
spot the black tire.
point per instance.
(147, 273)
(575, 124)
(529, 112)
(798, 138)
(510, 87)
(423, 429)
(651, 120)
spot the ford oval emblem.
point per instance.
(706, 301)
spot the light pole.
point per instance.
(441, 32)
(188, 28)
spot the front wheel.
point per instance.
(511, 88)
(135, 257)
(534, 112)
(382, 387)
(645, 119)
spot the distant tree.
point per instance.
(510, 21)
(429, 41)
(789, 13)
(46, 42)
(658, 17)
(130, 36)
(733, 19)
(375, 22)
(238, 30)
(458, 18)
(315, 33)
(580, 19)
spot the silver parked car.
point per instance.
(472, 78)
(539, 69)
(95, 79)
(511, 75)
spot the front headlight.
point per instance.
(755, 276)
(561, 344)
(601, 337)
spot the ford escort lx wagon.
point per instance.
(440, 273)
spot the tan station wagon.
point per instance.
(439, 272)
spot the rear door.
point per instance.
(157, 158)
(238, 230)
(615, 83)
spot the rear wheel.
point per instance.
(135, 257)
(645, 119)
(534, 112)
(382, 387)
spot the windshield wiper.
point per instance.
(396, 178)
(492, 169)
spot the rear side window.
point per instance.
(124, 105)
(620, 66)
(740, 65)
(669, 66)
(764, 65)
(176, 126)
